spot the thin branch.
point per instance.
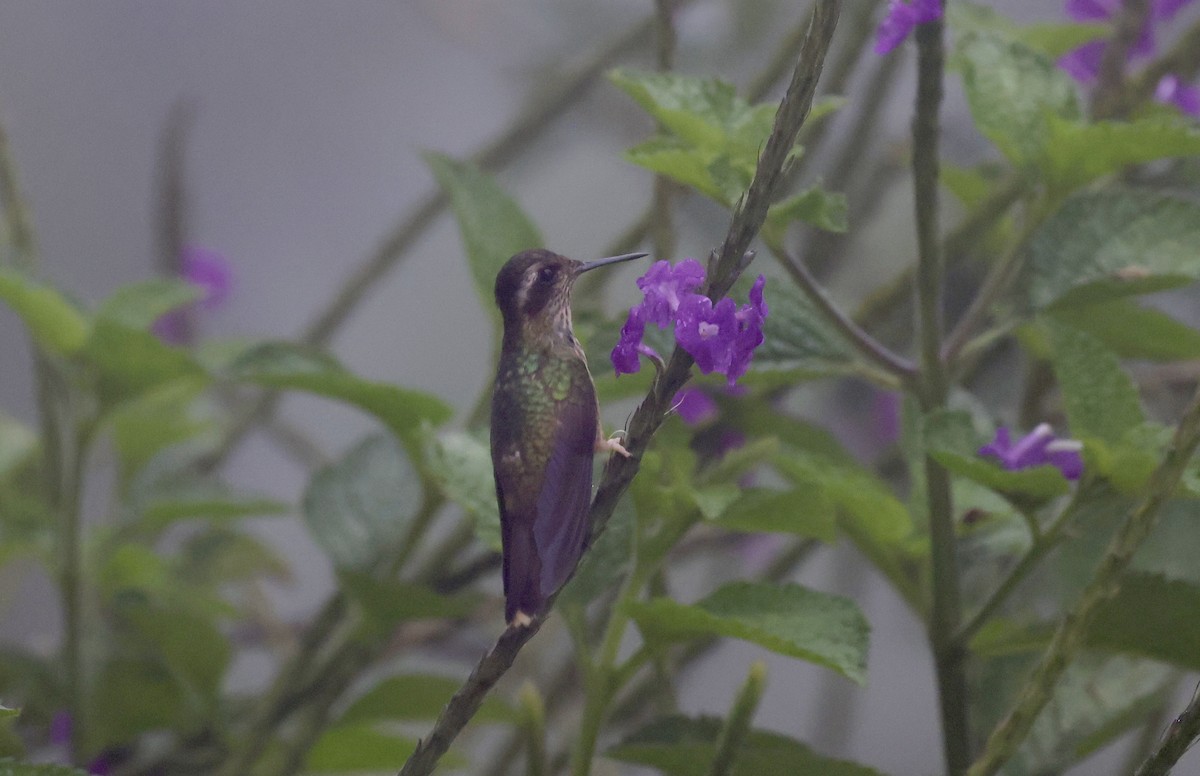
(946, 611)
(1069, 637)
(619, 471)
(1181, 734)
(870, 348)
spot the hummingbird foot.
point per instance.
(613, 445)
(520, 620)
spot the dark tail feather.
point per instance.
(522, 570)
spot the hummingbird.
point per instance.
(545, 429)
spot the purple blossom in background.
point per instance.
(60, 728)
(211, 273)
(901, 19)
(720, 338)
(1083, 63)
(1185, 97)
(695, 406)
(1037, 448)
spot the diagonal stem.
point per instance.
(619, 471)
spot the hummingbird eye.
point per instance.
(547, 274)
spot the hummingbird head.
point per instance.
(533, 292)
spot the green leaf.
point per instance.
(206, 501)
(132, 696)
(801, 511)
(132, 361)
(284, 365)
(190, 646)
(7, 713)
(683, 746)
(1097, 698)
(55, 324)
(1151, 616)
(389, 602)
(1011, 88)
(161, 417)
(606, 562)
(1132, 331)
(1039, 482)
(358, 508)
(814, 206)
(1102, 245)
(1055, 39)
(139, 305)
(1100, 398)
(1077, 152)
(461, 466)
(417, 697)
(9, 767)
(798, 341)
(708, 173)
(492, 224)
(358, 749)
(862, 498)
(789, 619)
(219, 556)
(17, 443)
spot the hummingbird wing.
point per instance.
(542, 456)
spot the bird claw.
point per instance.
(613, 445)
(521, 620)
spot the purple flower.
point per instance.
(695, 406)
(901, 18)
(1172, 91)
(720, 338)
(210, 272)
(60, 728)
(1083, 63)
(1037, 448)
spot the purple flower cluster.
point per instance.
(1083, 63)
(901, 19)
(1037, 448)
(720, 338)
(210, 272)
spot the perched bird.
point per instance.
(545, 429)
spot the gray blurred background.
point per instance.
(303, 153)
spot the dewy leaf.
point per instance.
(683, 746)
(1112, 243)
(461, 465)
(357, 508)
(1077, 152)
(704, 112)
(284, 365)
(410, 697)
(789, 619)
(493, 226)
(54, 322)
(141, 304)
(1151, 616)
(1100, 398)
(1010, 89)
(1132, 331)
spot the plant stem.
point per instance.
(946, 611)
(1042, 544)
(1179, 737)
(737, 724)
(1110, 80)
(870, 348)
(1069, 636)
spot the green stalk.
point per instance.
(946, 611)
(737, 725)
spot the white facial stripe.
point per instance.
(527, 281)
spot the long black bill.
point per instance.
(610, 260)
